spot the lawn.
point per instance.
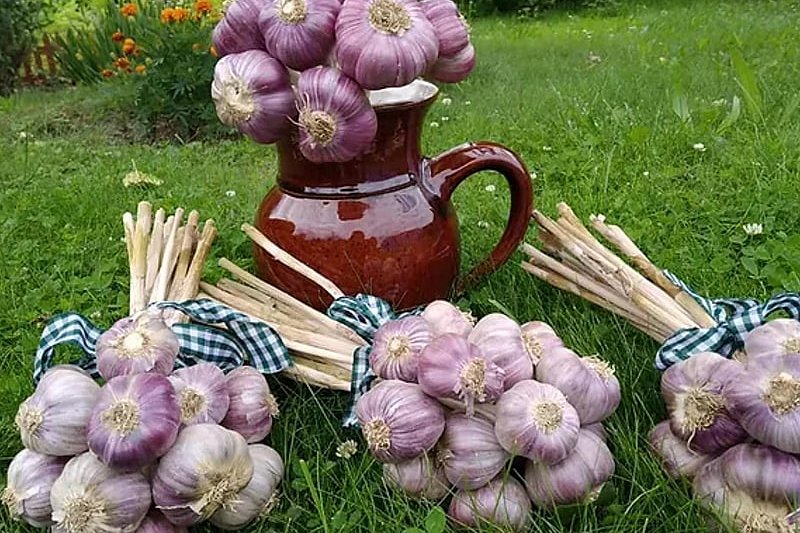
(606, 108)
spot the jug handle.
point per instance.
(449, 169)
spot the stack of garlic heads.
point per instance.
(459, 400)
(145, 452)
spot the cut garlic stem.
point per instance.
(154, 250)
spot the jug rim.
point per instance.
(416, 93)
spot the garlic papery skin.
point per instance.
(135, 421)
(698, 409)
(156, 522)
(535, 420)
(90, 497)
(454, 68)
(299, 33)
(396, 348)
(776, 337)
(420, 477)
(399, 421)
(500, 338)
(444, 317)
(238, 30)
(141, 343)
(598, 429)
(252, 407)
(502, 503)
(764, 472)
(676, 458)
(202, 393)
(204, 471)
(451, 28)
(384, 43)
(540, 340)
(453, 367)
(252, 93)
(588, 383)
(470, 452)
(336, 121)
(259, 496)
(589, 465)
(53, 419)
(29, 479)
(765, 399)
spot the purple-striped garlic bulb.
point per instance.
(452, 29)
(776, 337)
(396, 348)
(444, 317)
(27, 493)
(676, 458)
(540, 340)
(500, 338)
(455, 68)
(299, 33)
(502, 503)
(470, 452)
(420, 477)
(238, 30)
(137, 344)
(202, 393)
(252, 406)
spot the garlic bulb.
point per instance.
(384, 43)
(470, 452)
(252, 93)
(134, 422)
(502, 503)
(452, 367)
(454, 68)
(396, 348)
(202, 393)
(764, 472)
(540, 340)
(598, 429)
(589, 465)
(535, 420)
(259, 496)
(90, 497)
(141, 343)
(765, 399)
(336, 121)
(676, 458)
(420, 477)
(443, 318)
(451, 28)
(252, 407)
(238, 30)
(588, 383)
(155, 522)
(776, 337)
(698, 409)
(399, 421)
(500, 338)
(53, 419)
(204, 471)
(27, 494)
(299, 33)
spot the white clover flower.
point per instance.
(483, 224)
(468, 102)
(346, 449)
(547, 148)
(753, 229)
(445, 119)
(646, 173)
(490, 188)
(447, 101)
(719, 102)
(230, 194)
(662, 59)
(700, 147)
(23, 135)
(434, 124)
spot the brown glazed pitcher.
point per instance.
(383, 223)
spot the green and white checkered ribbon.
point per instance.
(244, 341)
(364, 314)
(735, 318)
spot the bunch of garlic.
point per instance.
(153, 450)
(734, 428)
(458, 400)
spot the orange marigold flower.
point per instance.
(179, 14)
(140, 69)
(167, 14)
(107, 72)
(203, 6)
(130, 9)
(117, 36)
(213, 51)
(129, 46)
(122, 63)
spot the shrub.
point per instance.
(19, 21)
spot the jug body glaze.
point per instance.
(383, 223)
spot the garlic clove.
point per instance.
(399, 421)
(29, 479)
(260, 494)
(502, 503)
(470, 452)
(676, 458)
(90, 497)
(396, 348)
(420, 477)
(141, 343)
(443, 318)
(53, 419)
(251, 407)
(202, 393)
(500, 339)
(535, 420)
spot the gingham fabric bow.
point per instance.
(245, 341)
(364, 314)
(734, 318)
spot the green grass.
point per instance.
(612, 137)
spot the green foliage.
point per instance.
(527, 7)
(19, 21)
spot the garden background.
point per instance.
(678, 120)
